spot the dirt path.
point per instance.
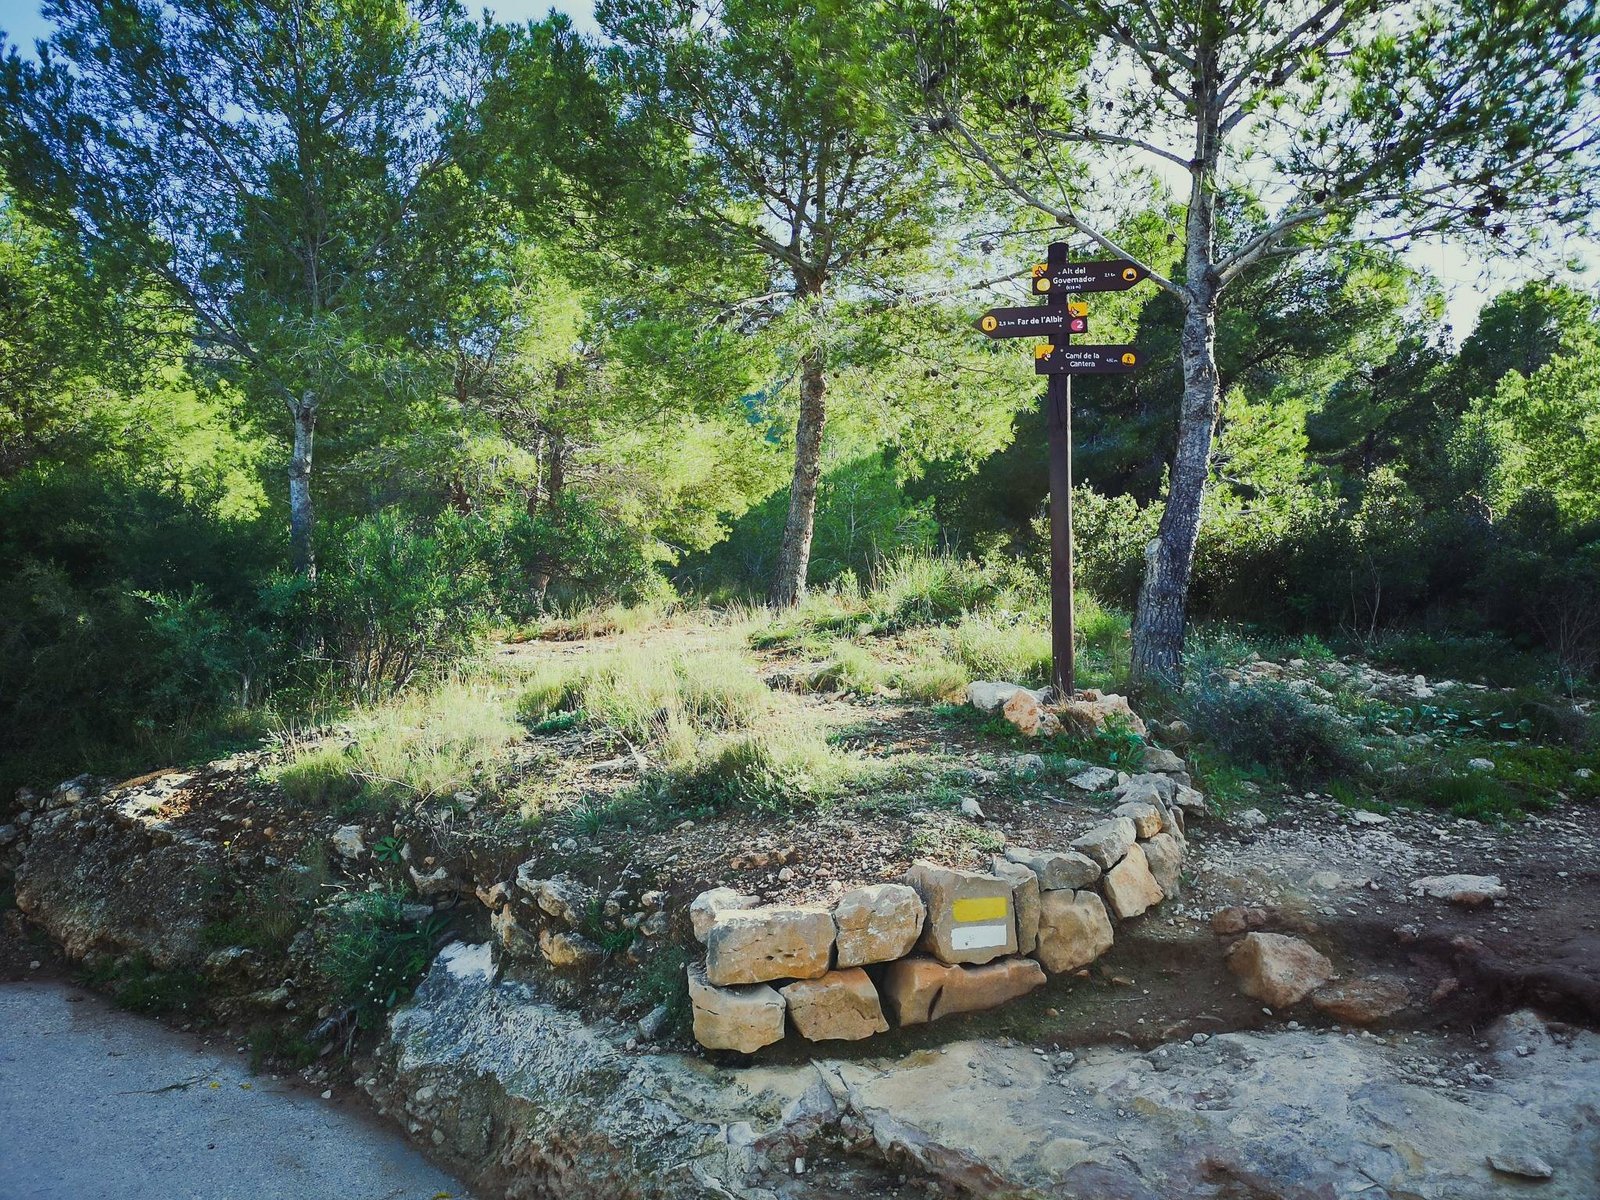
(98, 1103)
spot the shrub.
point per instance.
(1266, 724)
(773, 769)
(849, 669)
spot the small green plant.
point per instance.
(849, 669)
(279, 1046)
(372, 956)
(138, 986)
(388, 849)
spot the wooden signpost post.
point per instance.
(1058, 319)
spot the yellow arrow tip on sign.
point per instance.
(1078, 308)
(1043, 350)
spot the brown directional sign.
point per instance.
(1033, 321)
(1084, 360)
(1112, 275)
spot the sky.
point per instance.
(1468, 283)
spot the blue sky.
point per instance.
(1468, 283)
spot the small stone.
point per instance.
(1090, 711)
(328, 1095)
(971, 809)
(347, 843)
(653, 925)
(786, 875)
(704, 908)
(568, 846)
(1057, 870)
(1107, 842)
(1130, 889)
(1480, 764)
(918, 990)
(1363, 817)
(1250, 818)
(1467, 890)
(1278, 969)
(653, 900)
(1074, 930)
(970, 914)
(839, 1006)
(734, 1018)
(653, 1022)
(9, 834)
(754, 945)
(1024, 899)
(1146, 817)
(433, 883)
(877, 923)
(1525, 1166)
(1362, 1001)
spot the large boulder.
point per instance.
(1074, 930)
(1276, 969)
(703, 909)
(1129, 887)
(918, 990)
(1024, 899)
(1056, 869)
(1165, 761)
(753, 945)
(568, 951)
(734, 1018)
(877, 923)
(1108, 841)
(971, 917)
(840, 1006)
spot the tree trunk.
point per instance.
(1159, 623)
(558, 469)
(789, 579)
(303, 414)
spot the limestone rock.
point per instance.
(1524, 1166)
(877, 923)
(1189, 801)
(1467, 890)
(1362, 1001)
(1146, 817)
(568, 951)
(1129, 886)
(734, 1018)
(839, 1006)
(1108, 841)
(754, 945)
(970, 914)
(560, 897)
(347, 843)
(1149, 786)
(433, 883)
(1028, 714)
(509, 934)
(1157, 759)
(1024, 899)
(1074, 930)
(991, 697)
(1233, 920)
(1164, 857)
(704, 908)
(1090, 711)
(1276, 969)
(971, 809)
(919, 990)
(1056, 869)
(1093, 779)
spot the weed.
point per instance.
(279, 1046)
(388, 849)
(138, 986)
(767, 771)
(372, 956)
(849, 669)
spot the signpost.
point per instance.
(1058, 319)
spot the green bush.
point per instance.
(1267, 724)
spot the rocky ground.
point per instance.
(1149, 1075)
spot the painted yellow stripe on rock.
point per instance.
(979, 908)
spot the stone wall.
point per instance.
(939, 941)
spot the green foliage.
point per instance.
(371, 956)
(137, 985)
(1266, 724)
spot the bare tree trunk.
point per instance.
(303, 413)
(558, 469)
(1159, 624)
(789, 578)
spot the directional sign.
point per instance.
(1113, 275)
(1084, 360)
(1033, 321)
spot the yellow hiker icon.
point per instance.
(1131, 274)
(1078, 308)
(1129, 359)
(989, 324)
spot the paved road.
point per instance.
(97, 1103)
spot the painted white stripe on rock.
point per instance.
(978, 937)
